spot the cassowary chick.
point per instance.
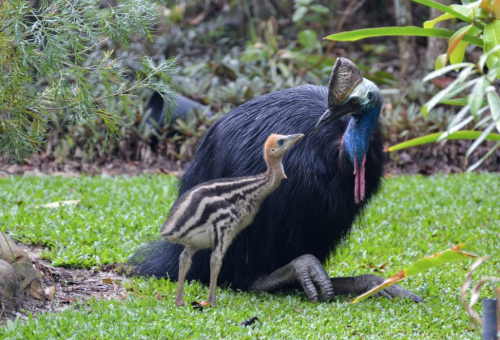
(211, 214)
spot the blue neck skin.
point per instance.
(358, 134)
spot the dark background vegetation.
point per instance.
(226, 55)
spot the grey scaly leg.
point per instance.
(184, 265)
(357, 285)
(307, 270)
(310, 273)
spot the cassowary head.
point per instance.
(350, 94)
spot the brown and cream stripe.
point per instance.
(216, 203)
(211, 214)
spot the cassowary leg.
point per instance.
(307, 270)
(357, 285)
(184, 265)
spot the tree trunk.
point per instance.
(407, 54)
(436, 46)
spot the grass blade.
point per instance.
(460, 252)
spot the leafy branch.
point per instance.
(52, 62)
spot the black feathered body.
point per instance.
(311, 211)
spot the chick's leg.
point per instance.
(215, 264)
(184, 265)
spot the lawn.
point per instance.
(413, 217)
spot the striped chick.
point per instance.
(211, 214)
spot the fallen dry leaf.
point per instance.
(197, 19)
(159, 297)
(122, 295)
(59, 204)
(36, 290)
(50, 292)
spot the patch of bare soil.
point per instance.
(69, 287)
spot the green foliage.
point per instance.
(399, 31)
(435, 137)
(52, 65)
(461, 252)
(303, 7)
(413, 217)
(482, 29)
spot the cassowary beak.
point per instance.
(344, 79)
(329, 117)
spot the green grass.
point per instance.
(413, 217)
(114, 216)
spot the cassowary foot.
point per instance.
(358, 285)
(306, 270)
(179, 303)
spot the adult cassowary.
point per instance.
(332, 174)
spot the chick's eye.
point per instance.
(354, 100)
(280, 142)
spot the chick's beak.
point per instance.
(294, 138)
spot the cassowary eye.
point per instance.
(354, 101)
(280, 142)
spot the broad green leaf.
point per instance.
(444, 70)
(480, 139)
(455, 39)
(482, 59)
(303, 2)
(494, 102)
(476, 97)
(319, 9)
(491, 7)
(400, 31)
(441, 61)
(431, 23)
(457, 11)
(455, 101)
(431, 138)
(463, 251)
(299, 13)
(308, 38)
(491, 39)
(458, 53)
(493, 73)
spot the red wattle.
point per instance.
(359, 179)
(356, 179)
(362, 180)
